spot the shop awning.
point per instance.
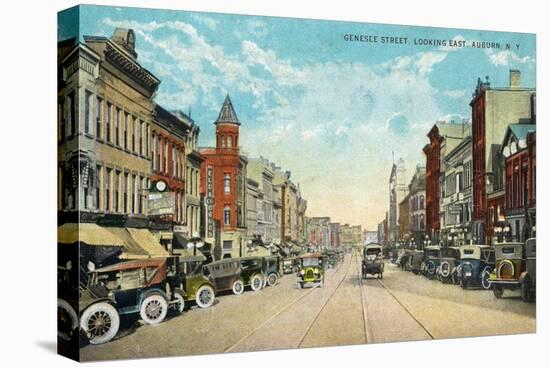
(88, 233)
(138, 243)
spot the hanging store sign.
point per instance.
(161, 203)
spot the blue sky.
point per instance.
(328, 110)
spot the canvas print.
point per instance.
(233, 183)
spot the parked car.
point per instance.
(252, 272)
(271, 269)
(225, 274)
(510, 270)
(431, 261)
(187, 282)
(330, 256)
(373, 262)
(476, 264)
(529, 277)
(291, 265)
(129, 287)
(415, 262)
(313, 267)
(403, 256)
(449, 258)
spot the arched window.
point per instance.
(421, 221)
(421, 201)
(229, 142)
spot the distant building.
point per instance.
(417, 209)
(335, 235)
(398, 189)
(370, 236)
(403, 220)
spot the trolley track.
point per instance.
(368, 327)
(298, 299)
(330, 298)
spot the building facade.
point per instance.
(398, 189)
(519, 151)
(223, 185)
(105, 112)
(443, 137)
(403, 220)
(456, 194)
(417, 208)
(493, 109)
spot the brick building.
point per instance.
(443, 137)
(223, 186)
(493, 109)
(518, 149)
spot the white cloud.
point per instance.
(507, 58)
(209, 22)
(455, 93)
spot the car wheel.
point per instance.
(272, 279)
(100, 322)
(179, 297)
(256, 282)
(67, 319)
(498, 291)
(238, 287)
(153, 309)
(205, 296)
(485, 284)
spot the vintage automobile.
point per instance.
(271, 269)
(373, 262)
(186, 282)
(476, 264)
(312, 270)
(449, 258)
(252, 272)
(529, 277)
(129, 287)
(510, 268)
(431, 261)
(67, 301)
(330, 256)
(225, 275)
(291, 265)
(415, 262)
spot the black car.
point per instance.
(476, 264)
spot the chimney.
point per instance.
(515, 79)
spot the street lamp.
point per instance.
(195, 242)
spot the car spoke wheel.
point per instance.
(179, 297)
(256, 282)
(238, 287)
(153, 309)
(100, 322)
(205, 296)
(272, 279)
(485, 284)
(67, 319)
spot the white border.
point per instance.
(28, 185)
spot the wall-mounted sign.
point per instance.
(161, 203)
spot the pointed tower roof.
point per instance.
(227, 113)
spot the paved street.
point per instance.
(345, 311)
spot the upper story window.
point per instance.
(229, 142)
(108, 122)
(98, 118)
(227, 183)
(227, 215)
(87, 114)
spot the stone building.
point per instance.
(254, 212)
(223, 186)
(456, 193)
(417, 209)
(493, 109)
(403, 220)
(398, 189)
(260, 170)
(319, 232)
(301, 209)
(105, 105)
(335, 233)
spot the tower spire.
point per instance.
(227, 113)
